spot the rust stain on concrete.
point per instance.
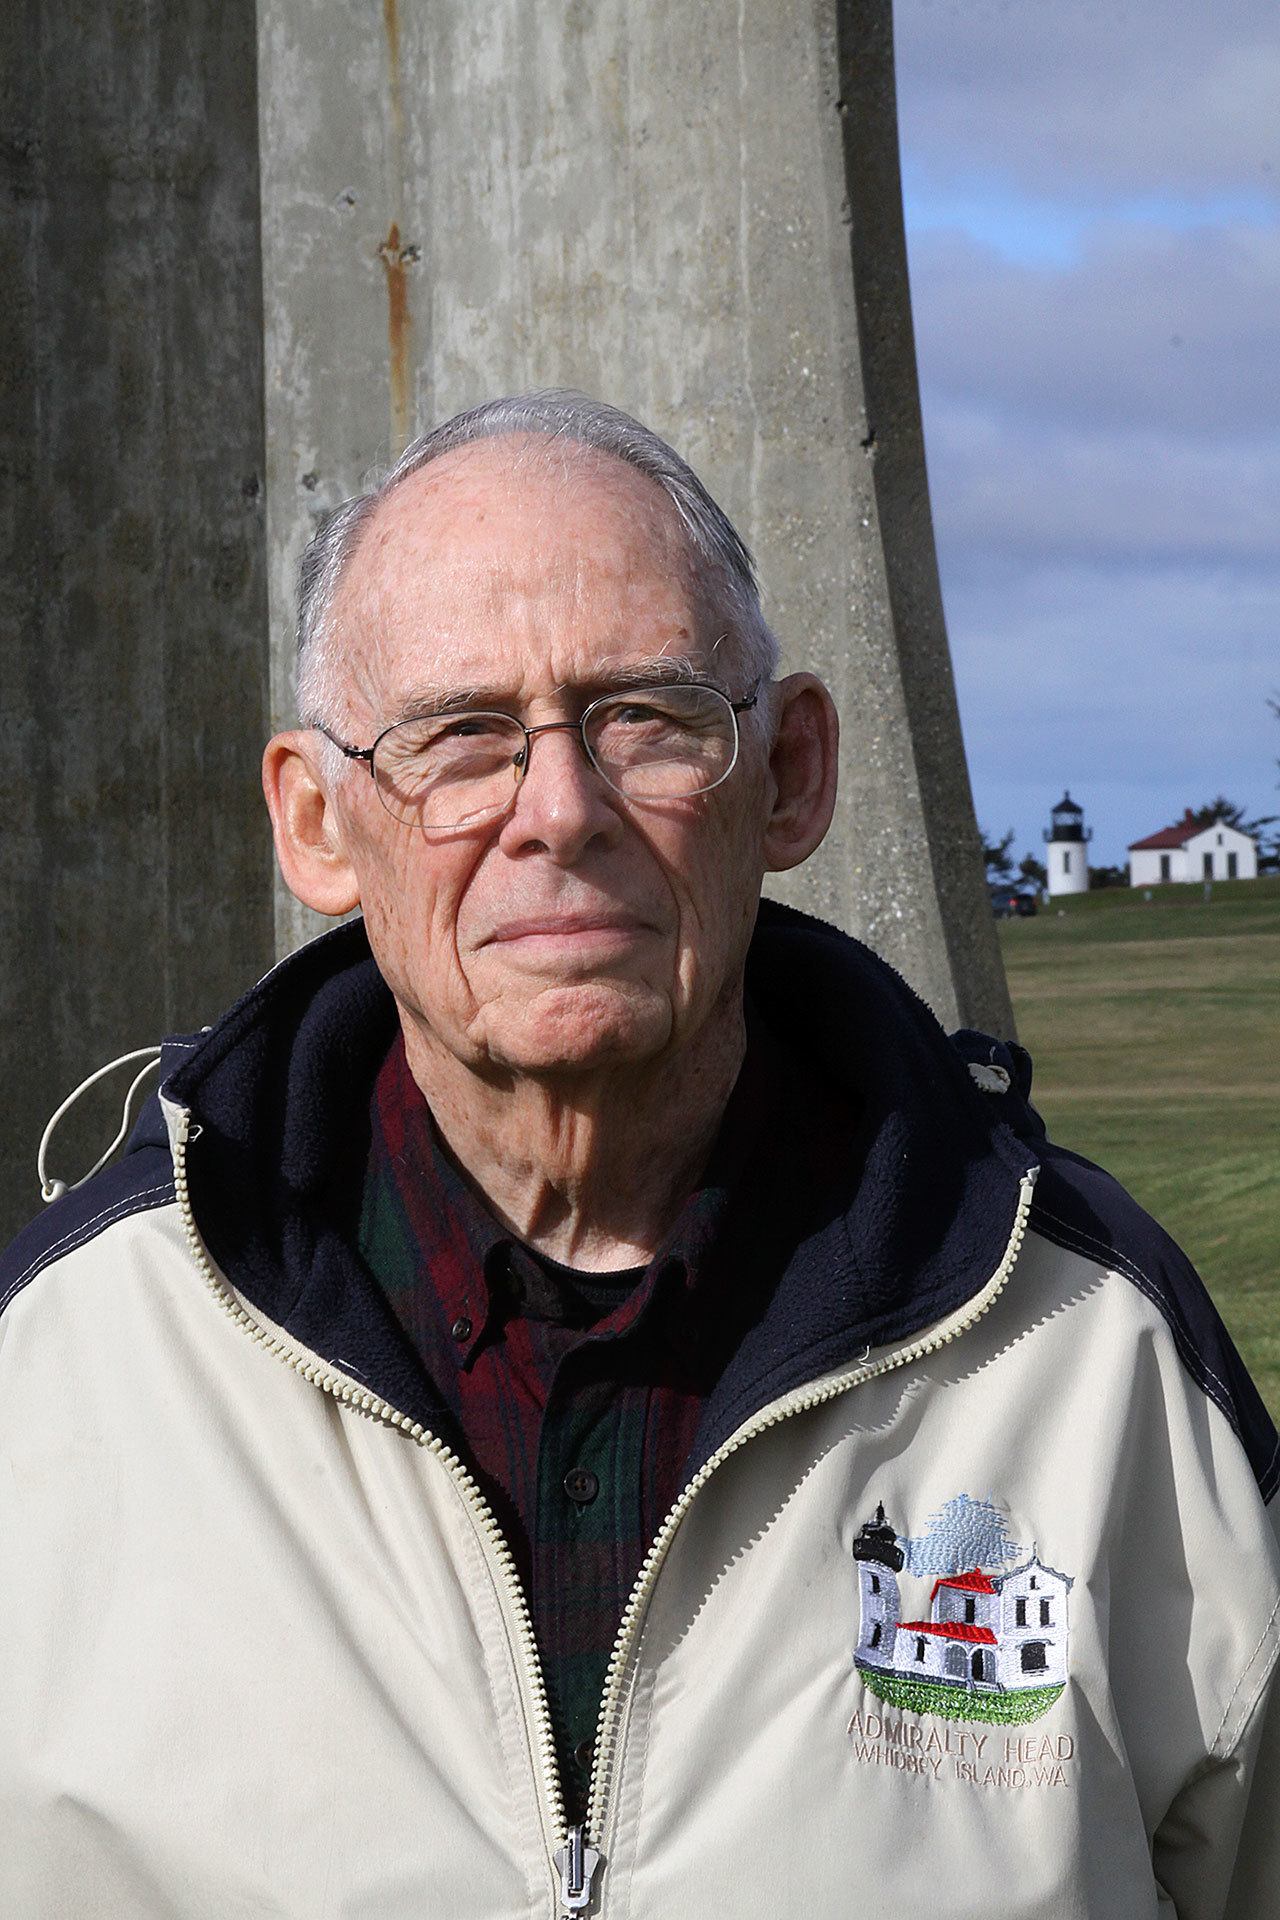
(395, 258)
(393, 255)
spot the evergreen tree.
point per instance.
(998, 855)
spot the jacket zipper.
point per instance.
(800, 1401)
(577, 1860)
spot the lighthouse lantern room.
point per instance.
(1068, 840)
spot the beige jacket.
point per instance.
(265, 1653)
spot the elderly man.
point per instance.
(579, 1397)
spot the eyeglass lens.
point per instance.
(659, 743)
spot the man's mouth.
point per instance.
(570, 932)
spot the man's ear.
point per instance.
(804, 764)
(308, 835)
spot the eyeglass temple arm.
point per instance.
(352, 753)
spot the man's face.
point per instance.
(579, 930)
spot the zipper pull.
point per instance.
(576, 1864)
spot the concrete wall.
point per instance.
(134, 877)
(696, 215)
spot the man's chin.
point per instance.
(577, 1027)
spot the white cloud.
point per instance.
(1097, 337)
(1044, 491)
(1180, 96)
(1143, 689)
(1176, 329)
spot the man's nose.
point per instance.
(562, 805)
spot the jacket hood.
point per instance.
(280, 1089)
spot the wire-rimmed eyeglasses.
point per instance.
(451, 770)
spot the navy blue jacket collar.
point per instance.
(280, 1091)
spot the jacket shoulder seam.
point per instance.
(1224, 1746)
(143, 1202)
(1076, 1240)
(1270, 1479)
(1122, 1264)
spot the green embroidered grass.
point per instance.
(958, 1703)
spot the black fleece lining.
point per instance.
(280, 1090)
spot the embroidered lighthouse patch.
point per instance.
(994, 1645)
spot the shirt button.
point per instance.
(584, 1753)
(581, 1485)
(461, 1328)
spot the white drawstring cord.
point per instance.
(991, 1079)
(54, 1189)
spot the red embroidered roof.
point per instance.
(1178, 836)
(951, 1630)
(974, 1582)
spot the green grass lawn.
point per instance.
(1155, 1030)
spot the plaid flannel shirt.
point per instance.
(577, 1396)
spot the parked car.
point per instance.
(1008, 903)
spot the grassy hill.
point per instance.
(1155, 1029)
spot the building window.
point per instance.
(1219, 839)
(1044, 1614)
(1165, 868)
(875, 1634)
(875, 1583)
(1033, 1581)
(1233, 865)
(1208, 866)
(1033, 1660)
(920, 1647)
(1066, 859)
(970, 1611)
(1019, 1613)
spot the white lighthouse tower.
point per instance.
(879, 1559)
(1068, 848)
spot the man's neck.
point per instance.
(591, 1171)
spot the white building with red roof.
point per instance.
(1190, 851)
(988, 1631)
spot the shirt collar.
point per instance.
(482, 1273)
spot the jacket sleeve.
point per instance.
(1216, 1853)
(1255, 1880)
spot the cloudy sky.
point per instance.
(1093, 209)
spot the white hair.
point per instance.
(723, 575)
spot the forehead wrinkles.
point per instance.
(483, 543)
